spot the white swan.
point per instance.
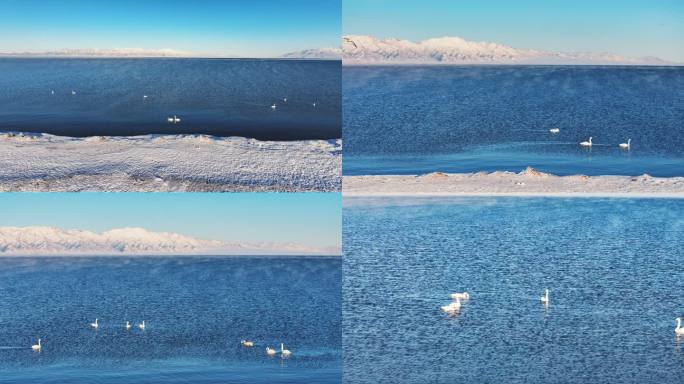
(545, 299)
(36, 347)
(284, 99)
(679, 331)
(52, 92)
(73, 92)
(314, 104)
(142, 325)
(284, 352)
(270, 351)
(554, 130)
(246, 343)
(453, 307)
(626, 145)
(128, 325)
(587, 143)
(173, 119)
(144, 96)
(460, 295)
(95, 324)
(273, 107)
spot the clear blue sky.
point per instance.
(628, 27)
(247, 28)
(307, 218)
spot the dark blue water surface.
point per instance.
(196, 312)
(211, 96)
(412, 120)
(613, 268)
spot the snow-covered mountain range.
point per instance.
(46, 241)
(92, 52)
(317, 53)
(320, 53)
(359, 49)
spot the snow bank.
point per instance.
(529, 182)
(41, 162)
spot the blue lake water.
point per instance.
(212, 96)
(412, 119)
(613, 268)
(196, 311)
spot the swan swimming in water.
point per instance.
(52, 92)
(587, 143)
(273, 107)
(626, 145)
(314, 104)
(246, 343)
(128, 325)
(284, 352)
(95, 324)
(73, 92)
(142, 325)
(679, 331)
(545, 299)
(270, 351)
(460, 295)
(36, 347)
(284, 99)
(173, 119)
(554, 130)
(453, 307)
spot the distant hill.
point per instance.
(320, 53)
(87, 52)
(359, 49)
(36, 241)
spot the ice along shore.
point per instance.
(529, 182)
(42, 162)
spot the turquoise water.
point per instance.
(413, 119)
(196, 310)
(613, 268)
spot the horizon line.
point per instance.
(134, 255)
(38, 56)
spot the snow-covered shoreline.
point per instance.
(150, 163)
(526, 183)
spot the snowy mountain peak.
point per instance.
(362, 49)
(128, 231)
(316, 54)
(445, 42)
(36, 241)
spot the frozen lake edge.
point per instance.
(526, 183)
(163, 163)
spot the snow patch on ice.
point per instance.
(528, 182)
(42, 162)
